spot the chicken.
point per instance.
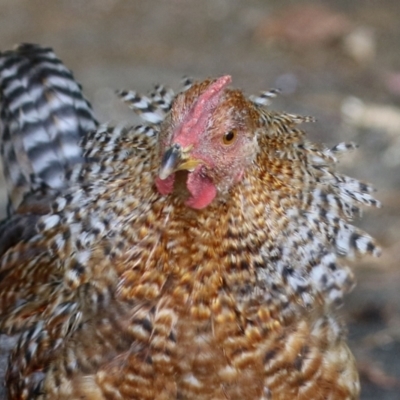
(43, 117)
(200, 255)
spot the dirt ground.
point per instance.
(336, 60)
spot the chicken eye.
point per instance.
(229, 137)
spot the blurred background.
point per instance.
(336, 60)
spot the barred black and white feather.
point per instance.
(43, 117)
(152, 108)
(264, 98)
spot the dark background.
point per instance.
(336, 60)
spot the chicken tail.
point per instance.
(43, 116)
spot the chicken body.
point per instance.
(203, 262)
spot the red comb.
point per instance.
(196, 119)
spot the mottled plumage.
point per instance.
(203, 261)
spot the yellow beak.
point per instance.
(176, 159)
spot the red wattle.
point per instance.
(202, 189)
(165, 186)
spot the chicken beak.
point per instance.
(176, 159)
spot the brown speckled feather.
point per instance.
(127, 293)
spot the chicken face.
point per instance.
(210, 133)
